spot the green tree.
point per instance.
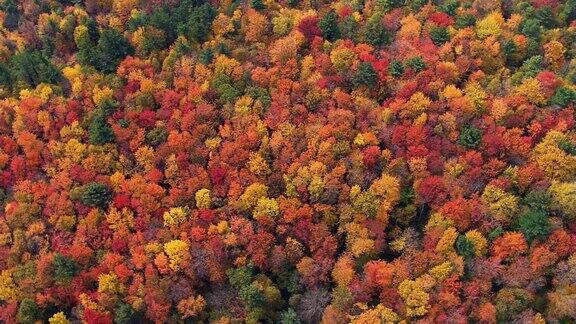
(96, 194)
(546, 17)
(252, 296)
(465, 247)
(125, 314)
(396, 68)
(241, 276)
(375, 34)
(531, 28)
(567, 146)
(534, 224)
(6, 80)
(470, 137)
(568, 12)
(28, 312)
(365, 75)
(465, 20)
(112, 48)
(33, 68)
(538, 200)
(563, 97)
(439, 35)
(416, 63)
(199, 22)
(510, 302)
(450, 7)
(64, 268)
(329, 26)
(100, 132)
(289, 316)
(258, 5)
(156, 136)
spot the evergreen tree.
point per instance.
(470, 137)
(465, 247)
(28, 312)
(439, 35)
(258, 5)
(64, 268)
(199, 23)
(563, 97)
(396, 68)
(100, 132)
(96, 195)
(534, 224)
(366, 75)
(375, 33)
(416, 63)
(112, 48)
(329, 26)
(125, 314)
(33, 68)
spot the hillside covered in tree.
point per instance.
(287, 161)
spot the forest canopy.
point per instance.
(287, 161)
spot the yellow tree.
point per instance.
(177, 252)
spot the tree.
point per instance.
(203, 198)
(375, 34)
(563, 97)
(510, 302)
(28, 312)
(106, 54)
(396, 69)
(175, 216)
(199, 21)
(100, 132)
(502, 204)
(96, 194)
(416, 63)
(64, 268)
(177, 252)
(58, 318)
(112, 48)
(470, 137)
(465, 247)
(564, 198)
(289, 317)
(192, 306)
(156, 136)
(415, 297)
(12, 14)
(465, 20)
(33, 68)
(258, 5)
(511, 244)
(365, 75)
(329, 26)
(534, 224)
(490, 25)
(125, 314)
(439, 35)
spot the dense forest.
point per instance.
(287, 161)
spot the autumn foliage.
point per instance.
(261, 161)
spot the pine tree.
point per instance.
(366, 75)
(329, 26)
(396, 69)
(64, 268)
(96, 195)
